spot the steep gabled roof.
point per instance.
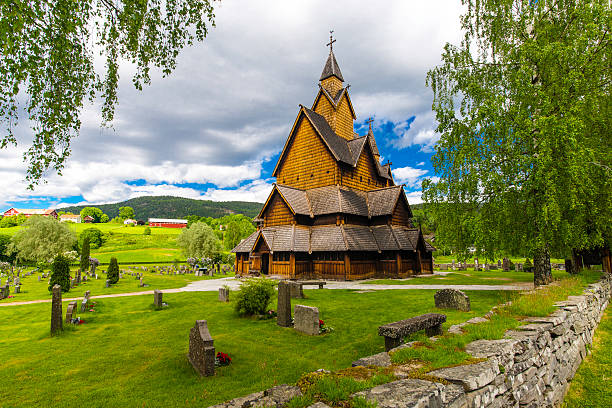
(331, 68)
(335, 100)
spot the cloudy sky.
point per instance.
(214, 129)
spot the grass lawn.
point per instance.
(107, 227)
(139, 255)
(129, 355)
(32, 289)
(592, 385)
(442, 259)
(469, 277)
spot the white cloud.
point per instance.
(414, 197)
(421, 164)
(410, 176)
(421, 132)
(257, 191)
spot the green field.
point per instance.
(469, 277)
(32, 289)
(129, 355)
(448, 259)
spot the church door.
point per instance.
(265, 259)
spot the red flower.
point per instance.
(321, 323)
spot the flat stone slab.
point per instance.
(412, 393)
(471, 376)
(452, 299)
(378, 360)
(489, 348)
(405, 327)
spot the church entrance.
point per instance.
(265, 260)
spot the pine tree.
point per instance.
(113, 271)
(60, 273)
(85, 252)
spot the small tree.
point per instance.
(126, 212)
(199, 241)
(85, 252)
(60, 273)
(96, 237)
(254, 296)
(113, 271)
(147, 231)
(41, 239)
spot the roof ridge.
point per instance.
(395, 237)
(339, 199)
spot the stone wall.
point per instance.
(531, 367)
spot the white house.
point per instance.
(70, 217)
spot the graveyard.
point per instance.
(128, 352)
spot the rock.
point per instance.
(283, 308)
(378, 360)
(319, 405)
(471, 376)
(452, 299)
(408, 393)
(306, 320)
(201, 349)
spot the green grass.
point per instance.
(470, 277)
(107, 227)
(127, 354)
(592, 383)
(32, 289)
(443, 259)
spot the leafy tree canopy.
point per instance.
(523, 106)
(12, 221)
(126, 212)
(5, 256)
(199, 241)
(95, 213)
(236, 231)
(41, 239)
(95, 236)
(48, 54)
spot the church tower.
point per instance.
(334, 211)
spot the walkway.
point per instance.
(213, 285)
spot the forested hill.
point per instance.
(174, 207)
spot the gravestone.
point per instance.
(519, 266)
(283, 308)
(17, 288)
(452, 299)
(444, 267)
(223, 294)
(107, 284)
(453, 264)
(56, 310)
(201, 349)
(306, 320)
(157, 298)
(141, 284)
(84, 304)
(39, 278)
(70, 311)
(476, 266)
(5, 291)
(486, 267)
(499, 263)
(506, 264)
(296, 290)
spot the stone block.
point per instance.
(378, 360)
(201, 349)
(56, 310)
(411, 393)
(283, 308)
(452, 299)
(72, 306)
(306, 319)
(158, 298)
(224, 294)
(472, 376)
(297, 290)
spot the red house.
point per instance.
(30, 212)
(167, 223)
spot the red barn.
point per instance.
(167, 223)
(30, 212)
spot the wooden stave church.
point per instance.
(335, 212)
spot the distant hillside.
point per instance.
(175, 207)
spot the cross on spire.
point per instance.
(331, 42)
(369, 122)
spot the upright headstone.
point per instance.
(201, 349)
(519, 266)
(107, 284)
(453, 264)
(444, 267)
(476, 266)
(157, 298)
(39, 278)
(499, 263)
(70, 311)
(296, 290)
(506, 264)
(223, 294)
(17, 288)
(56, 309)
(452, 299)
(141, 284)
(283, 308)
(486, 267)
(306, 320)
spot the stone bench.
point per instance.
(313, 283)
(396, 331)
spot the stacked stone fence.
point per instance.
(532, 366)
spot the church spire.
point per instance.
(331, 66)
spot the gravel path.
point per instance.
(213, 285)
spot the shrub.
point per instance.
(147, 231)
(60, 273)
(527, 266)
(96, 237)
(511, 265)
(254, 296)
(113, 271)
(85, 254)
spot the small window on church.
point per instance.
(360, 178)
(327, 171)
(298, 178)
(311, 175)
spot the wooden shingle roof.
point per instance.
(334, 238)
(331, 68)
